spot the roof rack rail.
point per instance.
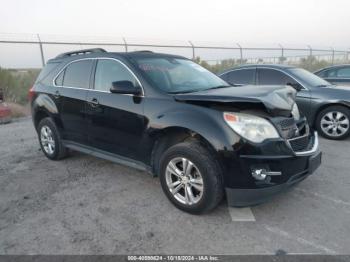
(81, 52)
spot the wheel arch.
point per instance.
(43, 106)
(170, 136)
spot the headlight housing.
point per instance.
(295, 112)
(253, 128)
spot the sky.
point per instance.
(319, 23)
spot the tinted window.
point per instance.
(241, 76)
(344, 72)
(273, 77)
(77, 74)
(109, 71)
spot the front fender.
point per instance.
(206, 122)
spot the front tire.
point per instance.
(50, 141)
(334, 122)
(191, 177)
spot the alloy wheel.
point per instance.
(184, 181)
(47, 140)
(335, 123)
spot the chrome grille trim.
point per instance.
(307, 152)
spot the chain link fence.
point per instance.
(22, 55)
(32, 51)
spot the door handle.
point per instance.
(57, 94)
(94, 102)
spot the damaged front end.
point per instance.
(277, 147)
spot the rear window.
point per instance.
(48, 68)
(77, 74)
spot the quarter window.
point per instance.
(109, 71)
(241, 76)
(273, 77)
(59, 79)
(77, 74)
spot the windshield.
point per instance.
(176, 75)
(309, 78)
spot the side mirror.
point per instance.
(296, 86)
(125, 87)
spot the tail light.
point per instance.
(31, 94)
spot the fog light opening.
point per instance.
(259, 173)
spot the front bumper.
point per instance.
(294, 168)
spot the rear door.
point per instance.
(270, 76)
(116, 121)
(72, 86)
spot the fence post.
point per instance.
(332, 55)
(193, 51)
(41, 51)
(282, 54)
(240, 52)
(310, 50)
(125, 45)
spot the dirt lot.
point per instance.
(84, 205)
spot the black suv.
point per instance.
(171, 117)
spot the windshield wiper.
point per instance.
(324, 85)
(217, 87)
(198, 90)
(184, 92)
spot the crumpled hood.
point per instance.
(274, 98)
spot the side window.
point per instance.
(77, 74)
(59, 79)
(329, 73)
(241, 76)
(273, 77)
(109, 71)
(343, 72)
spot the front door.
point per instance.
(116, 121)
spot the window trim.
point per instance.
(63, 69)
(93, 89)
(245, 68)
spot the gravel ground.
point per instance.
(85, 205)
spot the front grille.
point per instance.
(300, 143)
(286, 126)
(295, 132)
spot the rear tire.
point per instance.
(50, 141)
(191, 177)
(333, 122)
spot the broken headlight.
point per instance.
(253, 128)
